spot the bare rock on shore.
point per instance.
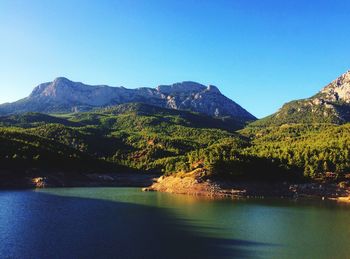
(40, 182)
(190, 184)
(185, 185)
(343, 199)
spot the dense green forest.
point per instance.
(150, 139)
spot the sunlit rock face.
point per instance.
(338, 90)
(63, 95)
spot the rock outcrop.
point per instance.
(338, 90)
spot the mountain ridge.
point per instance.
(63, 95)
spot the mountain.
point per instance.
(63, 95)
(330, 105)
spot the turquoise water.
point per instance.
(128, 223)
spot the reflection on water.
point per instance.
(126, 223)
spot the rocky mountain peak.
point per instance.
(61, 81)
(183, 87)
(330, 105)
(50, 88)
(338, 89)
(213, 89)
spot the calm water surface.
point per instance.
(127, 223)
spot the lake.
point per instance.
(128, 223)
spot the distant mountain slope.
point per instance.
(184, 118)
(63, 95)
(330, 105)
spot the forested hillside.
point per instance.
(313, 149)
(152, 139)
(138, 136)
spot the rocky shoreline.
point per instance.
(215, 188)
(184, 184)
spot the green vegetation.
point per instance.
(308, 111)
(150, 139)
(311, 149)
(137, 136)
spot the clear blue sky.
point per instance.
(260, 53)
